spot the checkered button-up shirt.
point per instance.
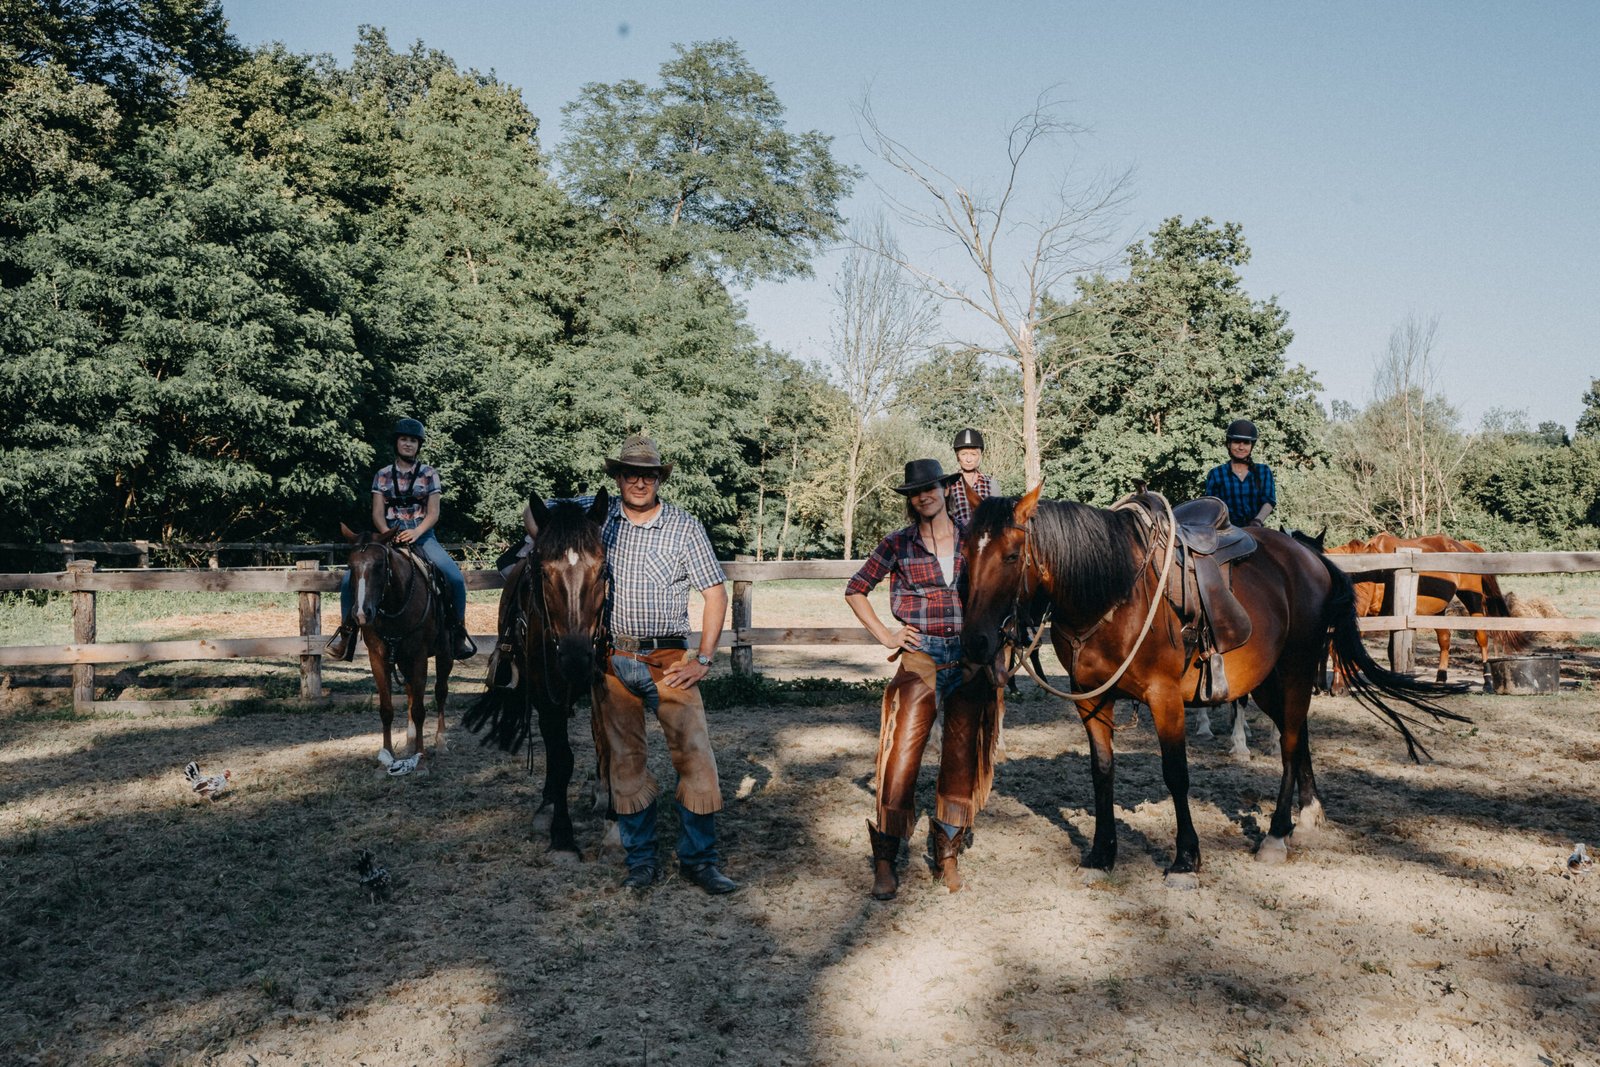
(918, 595)
(1244, 496)
(406, 493)
(653, 567)
(955, 499)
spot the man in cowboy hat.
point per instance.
(923, 563)
(656, 553)
(1247, 488)
(973, 483)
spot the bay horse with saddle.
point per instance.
(404, 618)
(552, 612)
(1171, 607)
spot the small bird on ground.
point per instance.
(1580, 860)
(374, 879)
(210, 786)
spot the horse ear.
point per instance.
(388, 535)
(1027, 506)
(535, 515)
(350, 535)
(601, 506)
(973, 499)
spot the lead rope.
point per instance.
(1149, 619)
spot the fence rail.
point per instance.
(309, 580)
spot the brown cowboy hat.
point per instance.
(923, 473)
(638, 452)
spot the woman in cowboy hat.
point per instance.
(924, 566)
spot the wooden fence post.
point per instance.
(310, 626)
(83, 633)
(744, 658)
(1402, 643)
(144, 554)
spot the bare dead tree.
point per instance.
(1015, 257)
(880, 329)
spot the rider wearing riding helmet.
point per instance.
(1247, 488)
(406, 495)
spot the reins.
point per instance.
(1031, 558)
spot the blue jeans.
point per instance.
(697, 834)
(429, 548)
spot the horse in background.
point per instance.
(554, 601)
(402, 619)
(1478, 594)
(1101, 577)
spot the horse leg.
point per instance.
(1167, 710)
(1202, 722)
(1240, 740)
(558, 764)
(379, 655)
(602, 772)
(1286, 697)
(443, 665)
(1102, 855)
(416, 675)
(1444, 656)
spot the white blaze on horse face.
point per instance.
(361, 600)
(572, 557)
(983, 543)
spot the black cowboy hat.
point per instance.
(922, 473)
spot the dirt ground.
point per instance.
(1432, 921)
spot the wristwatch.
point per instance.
(703, 660)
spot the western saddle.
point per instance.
(1200, 589)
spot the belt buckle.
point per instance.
(624, 643)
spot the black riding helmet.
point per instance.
(408, 428)
(968, 438)
(1242, 430)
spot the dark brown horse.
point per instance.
(402, 621)
(1479, 594)
(1099, 574)
(558, 596)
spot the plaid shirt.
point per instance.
(1245, 496)
(406, 493)
(918, 595)
(652, 568)
(955, 499)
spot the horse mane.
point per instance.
(567, 526)
(1086, 549)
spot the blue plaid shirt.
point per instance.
(1244, 496)
(653, 567)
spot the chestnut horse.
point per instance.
(402, 621)
(1479, 594)
(1098, 575)
(557, 595)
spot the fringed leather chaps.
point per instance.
(910, 707)
(973, 714)
(683, 721)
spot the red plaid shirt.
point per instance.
(918, 595)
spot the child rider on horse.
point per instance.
(406, 495)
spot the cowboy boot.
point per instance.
(944, 850)
(885, 851)
(342, 645)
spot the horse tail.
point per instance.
(1369, 683)
(503, 716)
(1496, 605)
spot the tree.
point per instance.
(1589, 422)
(954, 389)
(1013, 264)
(704, 165)
(880, 329)
(1152, 366)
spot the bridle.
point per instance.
(550, 639)
(1014, 628)
(384, 576)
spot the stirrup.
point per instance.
(504, 673)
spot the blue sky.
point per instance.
(1385, 159)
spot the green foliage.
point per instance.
(1149, 369)
(1538, 491)
(1589, 422)
(702, 166)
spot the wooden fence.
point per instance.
(309, 580)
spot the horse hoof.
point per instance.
(563, 856)
(1272, 850)
(1240, 755)
(1205, 732)
(1091, 875)
(1182, 880)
